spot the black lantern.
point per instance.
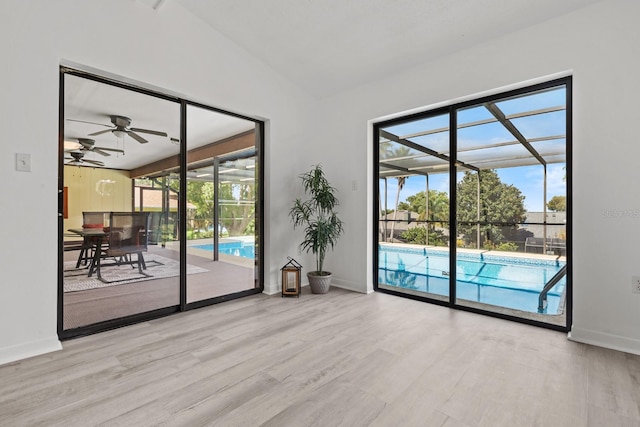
(291, 278)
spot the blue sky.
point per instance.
(529, 179)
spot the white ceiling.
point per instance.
(327, 46)
(322, 46)
(95, 102)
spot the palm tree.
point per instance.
(401, 181)
(401, 151)
(384, 152)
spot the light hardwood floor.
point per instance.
(337, 359)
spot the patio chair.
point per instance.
(559, 246)
(91, 220)
(533, 242)
(154, 227)
(94, 219)
(127, 235)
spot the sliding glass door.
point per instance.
(190, 171)
(111, 136)
(479, 218)
(221, 205)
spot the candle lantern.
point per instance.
(291, 278)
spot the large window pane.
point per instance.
(112, 135)
(509, 244)
(222, 209)
(414, 208)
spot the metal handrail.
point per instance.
(542, 298)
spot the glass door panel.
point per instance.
(511, 237)
(113, 137)
(413, 229)
(222, 208)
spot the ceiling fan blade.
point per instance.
(152, 132)
(137, 137)
(94, 162)
(116, 150)
(99, 151)
(100, 132)
(91, 123)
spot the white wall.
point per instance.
(598, 45)
(168, 49)
(172, 50)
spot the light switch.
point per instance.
(23, 162)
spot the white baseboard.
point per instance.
(349, 285)
(343, 284)
(29, 349)
(601, 339)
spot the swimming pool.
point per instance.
(511, 282)
(239, 248)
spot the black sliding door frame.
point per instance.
(182, 305)
(454, 164)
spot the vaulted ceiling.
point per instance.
(327, 46)
(322, 46)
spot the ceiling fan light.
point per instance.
(119, 133)
(71, 145)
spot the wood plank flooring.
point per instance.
(340, 359)
(87, 307)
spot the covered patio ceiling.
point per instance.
(525, 130)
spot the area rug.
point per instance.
(158, 267)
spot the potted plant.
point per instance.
(322, 227)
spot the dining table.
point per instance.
(93, 238)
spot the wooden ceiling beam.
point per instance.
(225, 146)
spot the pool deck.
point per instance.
(522, 255)
(204, 253)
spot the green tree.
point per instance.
(499, 203)
(438, 205)
(418, 235)
(438, 211)
(401, 181)
(557, 204)
(384, 152)
(200, 194)
(400, 151)
(237, 208)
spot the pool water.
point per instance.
(244, 249)
(503, 281)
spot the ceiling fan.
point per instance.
(90, 145)
(121, 127)
(77, 158)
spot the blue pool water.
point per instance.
(244, 249)
(497, 280)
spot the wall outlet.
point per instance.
(635, 284)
